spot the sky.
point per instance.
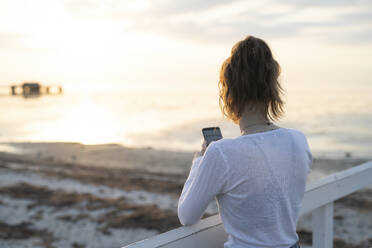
(173, 44)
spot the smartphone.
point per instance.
(211, 134)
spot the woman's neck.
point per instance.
(252, 121)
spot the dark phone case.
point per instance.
(217, 131)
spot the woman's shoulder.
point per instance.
(296, 133)
(281, 132)
(224, 142)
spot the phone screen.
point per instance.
(211, 134)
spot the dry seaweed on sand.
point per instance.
(121, 215)
(24, 230)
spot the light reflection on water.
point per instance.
(10, 149)
(334, 123)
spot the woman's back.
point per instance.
(264, 187)
(259, 182)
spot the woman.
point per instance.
(259, 177)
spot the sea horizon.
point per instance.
(336, 125)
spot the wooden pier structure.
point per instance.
(32, 89)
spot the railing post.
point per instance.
(322, 225)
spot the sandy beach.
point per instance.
(74, 195)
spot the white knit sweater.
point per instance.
(259, 182)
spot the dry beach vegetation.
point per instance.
(74, 195)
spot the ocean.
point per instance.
(336, 120)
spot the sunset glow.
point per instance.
(113, 42)
(165, 57)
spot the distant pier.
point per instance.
(34, 89)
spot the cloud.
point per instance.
(225, 21)
(326, 3)
(181, 6)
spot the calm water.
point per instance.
(335, 121)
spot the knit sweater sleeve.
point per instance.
(207, 178)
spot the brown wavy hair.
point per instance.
(248, 79)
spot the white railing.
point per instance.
(318, 199)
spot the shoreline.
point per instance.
(102, 155)
(115, 195)
(19, 146)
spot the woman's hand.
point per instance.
(202, 151)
